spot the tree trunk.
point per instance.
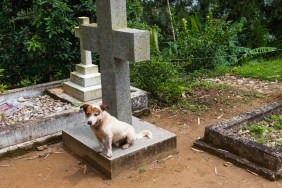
(171, 20)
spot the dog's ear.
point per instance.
(85, 106)
(104, 107)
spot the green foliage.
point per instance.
(276, 121)
(267, 131)
(3, 88)
(37, 43)
(262, 28)
(160, 79)
(1, 73)
(208, 44)
(256, 129)
(134, 11)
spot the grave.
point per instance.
(28, 134)
(116, 45)
(223, 140)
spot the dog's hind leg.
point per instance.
(129, 141)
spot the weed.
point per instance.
(267, 132)
(3, 88)
(256, 129)
(141, 170)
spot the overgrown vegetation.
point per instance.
(191, 40)
(267, 132)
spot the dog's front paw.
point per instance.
(109, 154)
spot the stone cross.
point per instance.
(85, 82)
(116, 45)
(86, 57)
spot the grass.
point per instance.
(267, 132)
(207, 85)
(265, 70)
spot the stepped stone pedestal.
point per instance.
(81, 141)
(85, 82)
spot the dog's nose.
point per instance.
(89, 122)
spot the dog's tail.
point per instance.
(144, 133)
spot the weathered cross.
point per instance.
(116, 45)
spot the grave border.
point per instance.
(222, 140)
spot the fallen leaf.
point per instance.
(197, 150)
(84, 169)
(219, 116)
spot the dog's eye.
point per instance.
(96, 114)
(88, 114)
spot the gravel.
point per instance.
(260, 86)
(32, 108)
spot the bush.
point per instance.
(37, 43)
(206, 44)
(160, 79)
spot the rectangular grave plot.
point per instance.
(223, 139)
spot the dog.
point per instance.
(110, 130)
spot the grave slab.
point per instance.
(81, 141)
(223, 140)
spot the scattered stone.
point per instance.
(21, 99)
(227, 164)
(248, 84)
(31, 108)
(41, 148)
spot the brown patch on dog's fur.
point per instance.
(104, 107)
(85, 106)
(89, 110)
(98, 124)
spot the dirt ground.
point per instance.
(57, 167)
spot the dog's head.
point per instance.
(94, 113)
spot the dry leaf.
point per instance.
(84, 169)
(197, 150)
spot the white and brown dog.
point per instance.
(110, 130)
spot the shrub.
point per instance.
(208, 44)
(37, 43)
(160, 79)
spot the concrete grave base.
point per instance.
(222, 139)
(23, 135)
(83, 143)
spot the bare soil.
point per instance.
(57, 167)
